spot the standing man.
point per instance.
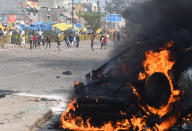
(23, 41)
(77, 39)
(114, 37)
(31, 40)
(43, 40)
(10, 35)
(118, 36)
(34, 41)
(92, 41)
(105, 42)
(39, 41)
(4, 34)
(101, 40)
(58, 43)
(48, 41)
(66, 41)
(71, 38)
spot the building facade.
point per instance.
(11, 7)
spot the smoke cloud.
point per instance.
(151, 25)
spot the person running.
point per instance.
(31, 41)
(58, 43)
(66, 41)
(23, 41)
(48, 39)
(77, 40)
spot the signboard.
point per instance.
(113, 18)
(27, 20)
(11, 18)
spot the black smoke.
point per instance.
(151, 25)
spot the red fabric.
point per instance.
(105, 41)
(34, 38)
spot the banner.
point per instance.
(38, 26)
(11, 18)
(32, 5)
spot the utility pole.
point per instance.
(79, 10)
(72, 14)
(110, 15)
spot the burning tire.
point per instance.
(157, 91)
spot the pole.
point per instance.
(79, 10)
(110, 15)
(72, 14)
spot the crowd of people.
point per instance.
(103, 40)
(43, 40)
(40, 40)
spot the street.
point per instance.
(37, 79)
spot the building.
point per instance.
(11, 7)
(53, 3)
(55, 10)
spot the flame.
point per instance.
(135, 91)
(160, 62)
(138, 122)
(168, 123)
(187, 119)
(77, 83)
(155, 62)
(76, 123)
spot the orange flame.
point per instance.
(160, 62)
(155, 62)
(135, 91)
(76, 122)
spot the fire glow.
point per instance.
(155, 62)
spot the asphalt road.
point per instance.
(40, 71)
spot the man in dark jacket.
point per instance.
(66, 41)
(48, 39)
(71, 38)
(77, 40)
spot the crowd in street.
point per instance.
(40, 40)
(43, 40)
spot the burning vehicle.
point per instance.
(109, 101)
(148, 86)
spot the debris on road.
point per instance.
(58, 77)
(67, 73)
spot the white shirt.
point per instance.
(23, 39)
(5, 33)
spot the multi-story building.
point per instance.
(11, 7)
(55, 11)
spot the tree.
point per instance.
(92, 19)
